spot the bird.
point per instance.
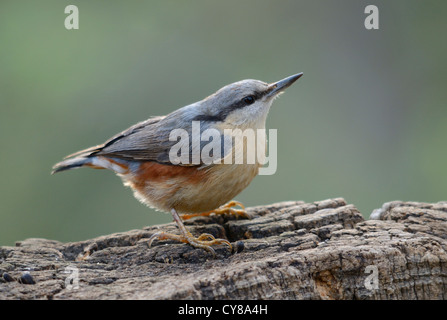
(142, 157)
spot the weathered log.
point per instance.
(288, 250)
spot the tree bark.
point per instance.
(287, 250)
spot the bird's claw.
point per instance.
(225, 209)
(204, 241)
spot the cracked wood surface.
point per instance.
(287, 250)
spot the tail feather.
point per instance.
(70, 164)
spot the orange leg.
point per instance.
(225, 209)
(204, 241)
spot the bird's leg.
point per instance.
(204, 241)
(225, 209)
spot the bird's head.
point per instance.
(242, 104)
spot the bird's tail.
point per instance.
(116, 165)
(71, 164)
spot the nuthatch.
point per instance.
(140, 156)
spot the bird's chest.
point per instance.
(219, 185)
(188, 189)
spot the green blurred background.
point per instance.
(367, 122)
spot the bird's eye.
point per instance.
(248, 100)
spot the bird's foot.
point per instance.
(204, 241)
(225, 209)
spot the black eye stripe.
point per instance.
(210, 118)
(258, 95)
(234, 106)
(247, 100)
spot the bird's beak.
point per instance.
(281, 85)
